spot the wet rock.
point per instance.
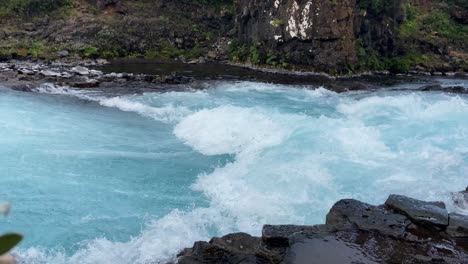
(449, 89)
(355, 232)
(349, 214)
(433, 213)
(63, 53)
(233, 248)
(22, 88)
(458, 225)
(460, 199)
(85, 83)
(26, 71)
(50, 73)
(279, 236)
(80, 70)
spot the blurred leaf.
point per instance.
(9, 241)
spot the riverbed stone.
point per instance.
(432, 213)
(50, 73)
(80, 70)
(63, 53)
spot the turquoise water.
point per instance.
(96, 177)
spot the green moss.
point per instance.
(277, 22)
(89, 52)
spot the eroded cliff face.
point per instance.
(321, 35)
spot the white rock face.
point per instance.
(300, 22)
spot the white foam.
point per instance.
(128, 103)
(229, 130)
(168, 113)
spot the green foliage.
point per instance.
(32, 7)
(377, 7)
(9, 241)
(428, 26)
(238, 52)
(89, 52)
(277, 22)
(255, 55)
(271, 59)
(36, 49)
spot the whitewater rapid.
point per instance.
(281, 155)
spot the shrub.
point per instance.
(377, 7)
(89, 52)
(35, 7)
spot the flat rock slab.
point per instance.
(432, 213)
(280, 235)
(330, 250)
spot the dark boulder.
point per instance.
(458, 225)
(233, 248)
(355, 232)
(349, 214)
(432, 213)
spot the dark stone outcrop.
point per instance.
(349, 214)
(355, 232)
(433, 213)
(458, 226)
(318, 34)
(449, 89)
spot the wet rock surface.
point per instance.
(147, 74)
(355, 232)
(433, 213)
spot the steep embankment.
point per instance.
(336, 36)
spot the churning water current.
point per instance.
(133, 178)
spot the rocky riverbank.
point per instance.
(403, 230)
(128, 74)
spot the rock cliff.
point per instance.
(333, 36)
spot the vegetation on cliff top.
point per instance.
(426, 36)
